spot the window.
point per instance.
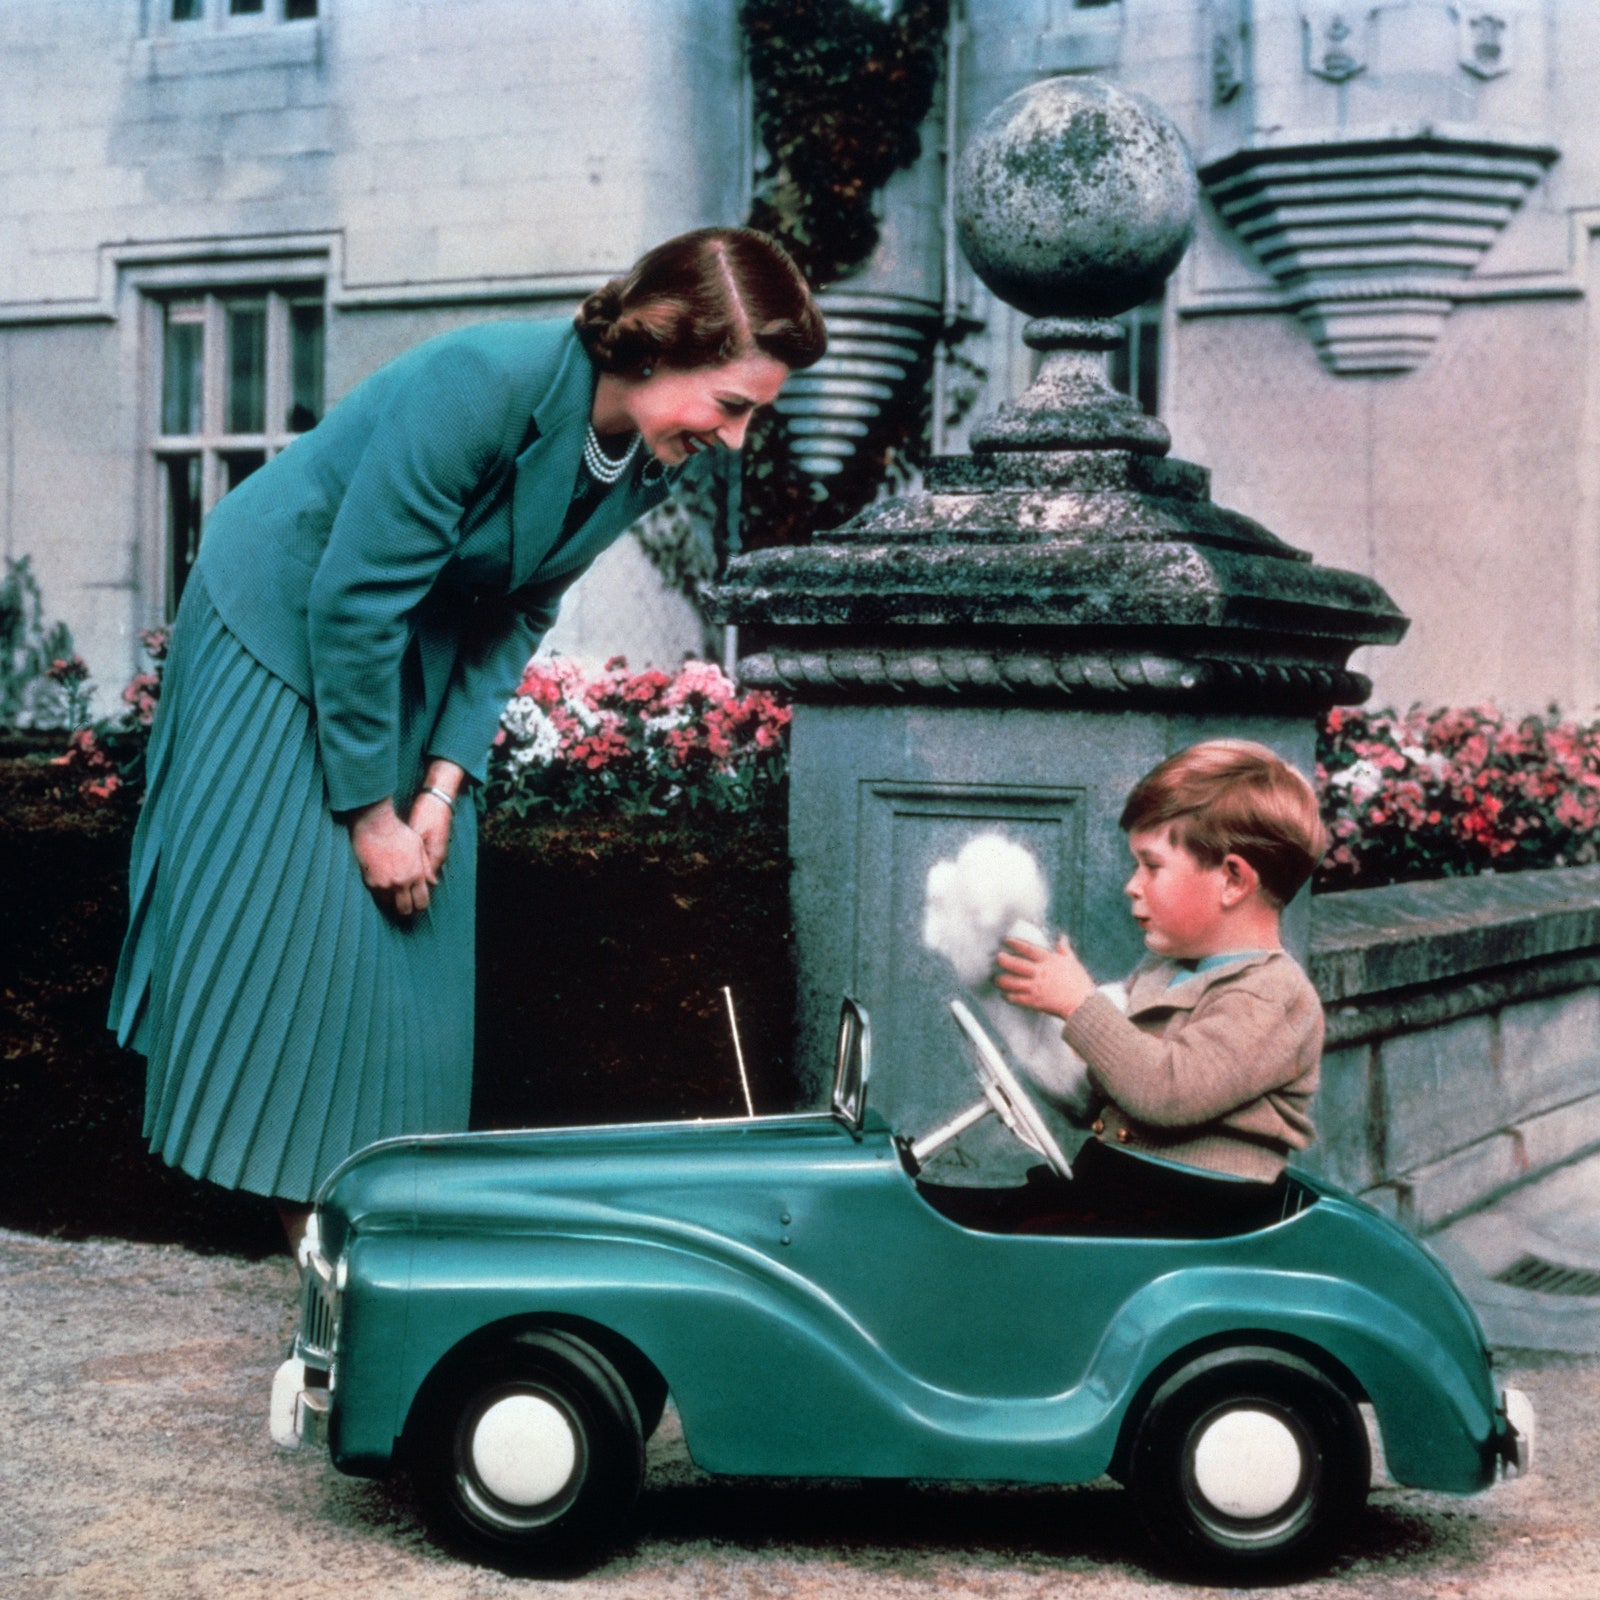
(224, 13)
(1135, 367)
(241, 376)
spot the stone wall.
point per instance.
(426, 164)
(1463, 1048)
(495, 157)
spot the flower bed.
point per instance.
(1424, 794)
(616, 901)
(640, 744)
(1442, 794)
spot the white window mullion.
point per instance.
(212, 482)
(195, 427)
(278, 376)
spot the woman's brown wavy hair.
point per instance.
(700, 300)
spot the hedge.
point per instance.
(603, 949)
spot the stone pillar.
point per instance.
(1016, 644)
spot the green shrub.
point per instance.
(42, 683)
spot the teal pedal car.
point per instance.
(505, 1315)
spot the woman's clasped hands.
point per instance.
(400, 861)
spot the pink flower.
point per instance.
(699, 678)
(67, 671)
(141, 694)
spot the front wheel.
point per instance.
(530, 1457)
(1249, 1462)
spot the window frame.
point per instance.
(218, 16)
(1138, 368)
(206, 304)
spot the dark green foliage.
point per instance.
(28, 645)
(840, 92)
(603, 949)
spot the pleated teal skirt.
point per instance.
(287, 1020)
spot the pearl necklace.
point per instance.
(600, 466)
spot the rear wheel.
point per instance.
(530, 1456)
(1249, 1462)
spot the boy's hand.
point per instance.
(1054, 981)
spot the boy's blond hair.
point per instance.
(1234, 797)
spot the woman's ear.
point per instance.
(1239, 881)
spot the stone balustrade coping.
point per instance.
(1366, 943)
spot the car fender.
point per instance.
(1434, 1409)
(369, 1354)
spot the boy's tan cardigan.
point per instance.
(1214, 1071)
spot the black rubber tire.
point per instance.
(1304, 1406)
(645, 1384)
(566, 1529)
(650, 1396)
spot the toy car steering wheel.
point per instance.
(1006, 1094)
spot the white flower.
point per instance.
(1363, 780)
(584, 715)
(1434, 761)
(536, 737)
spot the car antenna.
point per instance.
(738, 1053)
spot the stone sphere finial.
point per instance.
(1075, 199)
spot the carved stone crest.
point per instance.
(1483, 41)
(1227, 50)
(1338, 41)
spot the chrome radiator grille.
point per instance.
(319, 1313)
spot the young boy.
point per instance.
(1206, 1084)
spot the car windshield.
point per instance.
(852, 1065)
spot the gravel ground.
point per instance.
(137, 1467)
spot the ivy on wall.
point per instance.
(840, 91)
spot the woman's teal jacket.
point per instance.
(416, 534)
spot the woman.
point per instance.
(299, 962)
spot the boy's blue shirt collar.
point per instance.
(1193, 969)
(1160, 984)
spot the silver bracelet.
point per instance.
(441, 794)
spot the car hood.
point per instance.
(508, 1181)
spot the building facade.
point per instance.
(217, 215)
(1382, 341)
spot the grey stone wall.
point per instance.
(490, 157)
(1463, 1036)
(432, 163)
